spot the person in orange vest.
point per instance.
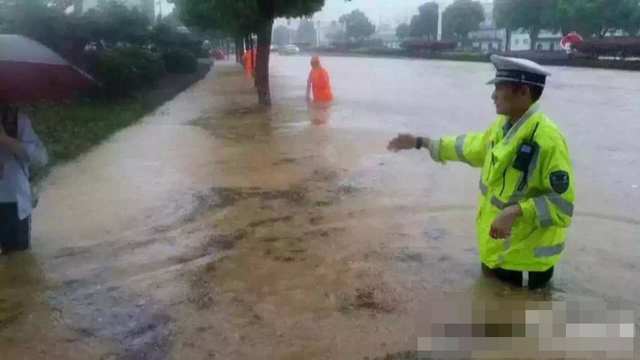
(319, 84)
(249, 59)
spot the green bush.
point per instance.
(124, 71)
(180, 61)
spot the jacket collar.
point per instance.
(514, 129)
(503, 152)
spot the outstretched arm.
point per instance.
(469, 148)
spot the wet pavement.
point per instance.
(215, 229)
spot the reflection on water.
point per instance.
(320, 112)
(218, 229)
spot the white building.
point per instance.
(389, 39)
(520, 41)
(547, 41)
(488, 37)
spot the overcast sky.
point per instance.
(385, 11)
(391, 12)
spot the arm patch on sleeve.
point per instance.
(559, 181)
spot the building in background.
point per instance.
(547, 41)
(520, 41)
(488, 10)
(387, 36)
(489, 37)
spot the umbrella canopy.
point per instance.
(29, 71)
(571, 38)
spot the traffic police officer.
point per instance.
(526, 186)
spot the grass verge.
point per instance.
(69, 130)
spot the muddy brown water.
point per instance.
(215, 229)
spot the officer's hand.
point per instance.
(503, 223)
(402, 142)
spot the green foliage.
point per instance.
(464, 16)
(180, 61)
(598, 17)
(113, 22)
(587, 17)
(425, 24)
(403, 31)
(239, 18)
(70, 130)
(126, 70)
(166, 38)
(33, 18)
(357, 24)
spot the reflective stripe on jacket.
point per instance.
(537, 238)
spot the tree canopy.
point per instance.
(464, 16)
(425, 24)
(598, 17)
(532, 16)
(403, 31)
(239, 18)
(587, 17)
(358, 25)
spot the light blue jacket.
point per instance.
(16, 171)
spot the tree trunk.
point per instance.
(507, 45)
(262, 63)
(238, 41)
(533, 35)
(603, 32)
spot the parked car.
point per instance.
(289, 50)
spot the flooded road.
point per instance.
(215, 229)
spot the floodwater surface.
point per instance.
(218, 229)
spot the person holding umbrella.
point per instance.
(20, 147)
(30, 72)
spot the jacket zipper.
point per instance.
(492, 162)
(504, 181)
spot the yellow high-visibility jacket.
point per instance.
(545, 191)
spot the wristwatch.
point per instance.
(419, 143)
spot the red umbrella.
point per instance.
(569, 39)
(29, 71)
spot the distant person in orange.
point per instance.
(322, 96)
(248, 62)
(319, 82)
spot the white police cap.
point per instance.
(522, 71)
